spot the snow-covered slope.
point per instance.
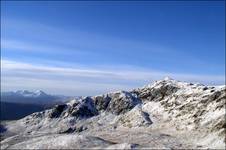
(165, 114)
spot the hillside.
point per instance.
(166, 114)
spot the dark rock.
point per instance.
(134, 146)
(69, 130)
(212, 91)
(158, 94)
(57, 110)
(122, 102)
(215, 95)
(147, 117)
(205, 88)
(81, 128)
(85, 108)
(101, 102)
(2, 128)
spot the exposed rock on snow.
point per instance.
(135, 118)
(118, 102)
(80, 109)
(101, 102)
(165, 112)
(83, 108)
(122, 102)
(57, 110)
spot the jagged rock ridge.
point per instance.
(166, 105)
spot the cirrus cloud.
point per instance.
(80, 80)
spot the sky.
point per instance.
(88, 48)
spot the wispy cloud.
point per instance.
(68, 61)
(17, 45)
(72, 38)
(85, 81)
(87, 47)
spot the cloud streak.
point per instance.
(83, 80)
(71, 61)
(68, 44)
(70, 40)
(17, 45)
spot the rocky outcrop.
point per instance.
(157, 91)
(117, 102)
(122, 102)
(101, 102)
(57, 110)
(169, 103)
(83, 108)
(184, 100)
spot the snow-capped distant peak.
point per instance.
(22, 92)
(39, 93)
(26, 93)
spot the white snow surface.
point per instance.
(164, 115)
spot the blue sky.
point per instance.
(87, 48)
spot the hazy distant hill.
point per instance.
(13, 111)
(28, 97)
(17, 104)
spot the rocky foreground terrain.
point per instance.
(167, 114)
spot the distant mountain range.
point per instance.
(36, 97)
(17, 104)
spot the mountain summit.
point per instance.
(165, 114)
